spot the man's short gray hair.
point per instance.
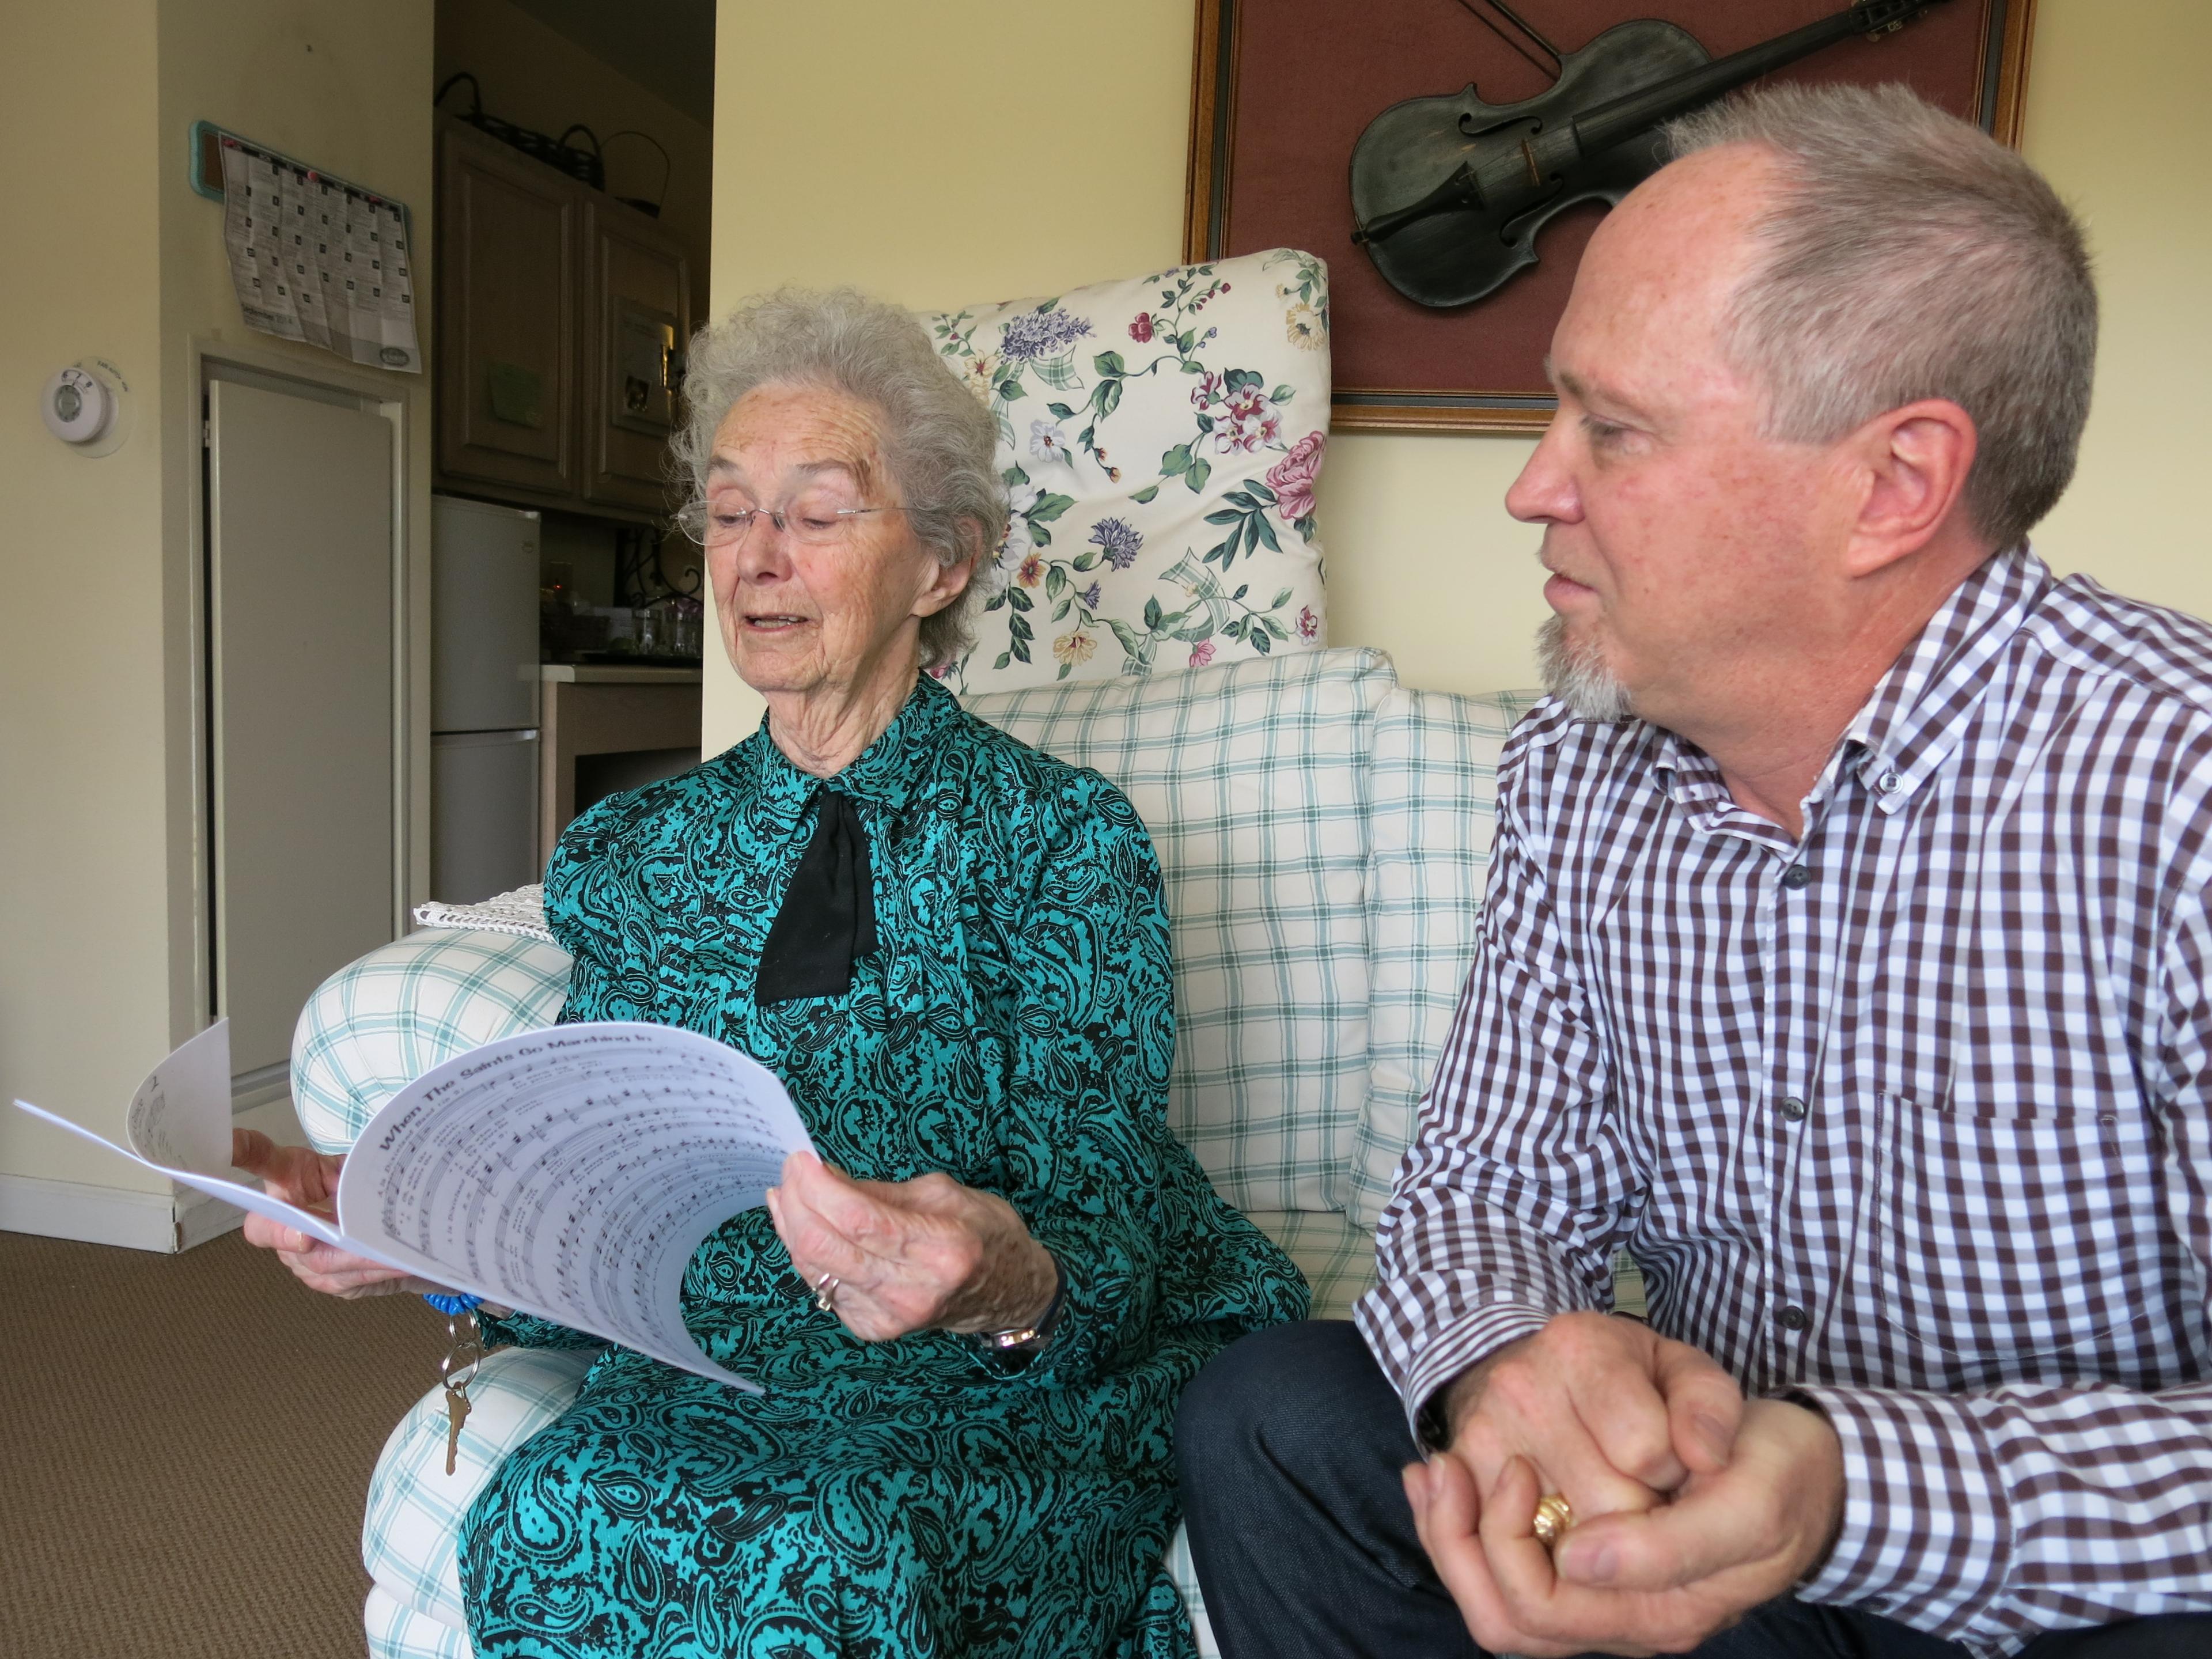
(1912, 256)
(939, 441)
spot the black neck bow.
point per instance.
(829, 915)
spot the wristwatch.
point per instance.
(1029, 1339)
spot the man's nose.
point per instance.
(1545, 492)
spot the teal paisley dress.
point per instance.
(1013, 1029)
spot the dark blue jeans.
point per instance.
(1290, 1444)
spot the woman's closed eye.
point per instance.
(821, 510)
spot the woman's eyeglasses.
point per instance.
(813, 523)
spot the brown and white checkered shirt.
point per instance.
(1908, 1119)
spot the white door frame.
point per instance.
(371, 393)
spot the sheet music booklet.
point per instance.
(568, 1173)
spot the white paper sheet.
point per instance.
(569, 1173)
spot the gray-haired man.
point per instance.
(1847, 957)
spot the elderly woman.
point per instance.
(974, 1318)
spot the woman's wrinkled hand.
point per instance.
(303, 1176)
(910, 1255)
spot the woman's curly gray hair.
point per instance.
(939, 441)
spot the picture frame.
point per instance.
(1282, 88)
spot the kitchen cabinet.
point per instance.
(509, 294)
(637, 304)
(562, 317)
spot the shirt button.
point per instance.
(1796, 876)
(1793, 1318)
(1888, 784)
(1793, 1108)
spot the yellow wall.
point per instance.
(537, 77)
(84, 1002)
(346, 88)
(978, 149)
(98, 846)
(2117, 119)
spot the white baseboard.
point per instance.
(165, 1222)
(200, 1218)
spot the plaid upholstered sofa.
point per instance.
(1324, 832)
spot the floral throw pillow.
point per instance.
(1159, 439)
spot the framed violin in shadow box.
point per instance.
(1448, 158)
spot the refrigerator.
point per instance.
(484, 700)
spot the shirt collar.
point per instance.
(885, 773)
(1919, 709)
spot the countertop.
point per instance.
(595, 673)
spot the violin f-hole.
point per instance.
(1531, 122)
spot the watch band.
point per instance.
(1028, 1339)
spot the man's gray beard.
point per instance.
(1578, 678)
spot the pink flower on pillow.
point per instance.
(1292, 477)
(1201, 653)
(1141, 330)
(1308, 625)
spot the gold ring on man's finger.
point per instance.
(1554, 1516)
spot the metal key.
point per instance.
(464, 1349)
(457, 1412)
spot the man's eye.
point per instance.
(1601, 432)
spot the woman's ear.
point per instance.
(947, 582)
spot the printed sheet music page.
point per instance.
(569, 1172)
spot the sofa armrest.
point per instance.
(378, 1023)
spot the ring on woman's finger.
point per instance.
(825, 1293)
(1554, 1516)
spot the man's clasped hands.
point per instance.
(1691, 1505)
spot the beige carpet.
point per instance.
(185, 1444)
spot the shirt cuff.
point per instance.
(1464, 1343)
(1925, 1538)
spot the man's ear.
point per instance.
(1913, 464)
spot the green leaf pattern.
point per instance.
(1157, 562)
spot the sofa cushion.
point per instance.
(1432, 796)
(411, 1530)
(1252, 778)
(1160, 437)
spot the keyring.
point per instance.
(454, 1370)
